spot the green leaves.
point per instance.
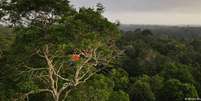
(119, 96)
(141, 91)
(54, 23)
(177, 91)
(99, 88)
(26, 12)
(27, 86)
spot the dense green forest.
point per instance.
(52, 52)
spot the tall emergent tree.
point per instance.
(56, 49)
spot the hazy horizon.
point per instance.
(146, 12)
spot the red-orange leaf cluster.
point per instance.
(75, 57)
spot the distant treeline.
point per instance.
(186, 32)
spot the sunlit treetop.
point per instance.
(25, 11)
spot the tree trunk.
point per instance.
(56, 98)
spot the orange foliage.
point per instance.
(75, 57)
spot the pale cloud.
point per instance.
(149, 11)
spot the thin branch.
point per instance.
(60, 67)
(76, 78)
(38, 91)
(87, 72)
(62, 78)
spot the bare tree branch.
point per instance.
(52, 77)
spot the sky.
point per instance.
(157, 12)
